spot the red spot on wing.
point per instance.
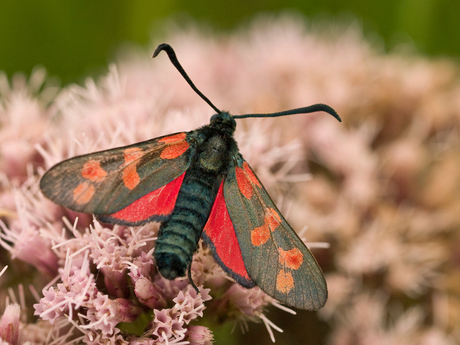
(92, 171)
(159, 202)
(250, 174)
(284, 281)
(272, 218)
(173, 138)
(132, 154)
(83, 193)
(220, 231)
(174, 150)
(292, 258)
(244, 185)
(130, 176)
(246, 179)
(260, 235)
(176, 146)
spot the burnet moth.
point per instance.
(197, 184)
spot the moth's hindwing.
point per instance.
(157, 205)
(219, 235)
(276, 259)
(106, 182)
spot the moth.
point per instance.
(198, 185)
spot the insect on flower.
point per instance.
(198, 185)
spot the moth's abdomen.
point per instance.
(178, 237)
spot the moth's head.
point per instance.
(224, 121)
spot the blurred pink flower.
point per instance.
(199, 335)
(9, 324)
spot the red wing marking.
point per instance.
(159, 202)
(245, 179)
(284, 281)
(132, 154)
(174, 138)
(174, 150)
(272, 218)
(92, 171)
(83, 193)
(292, 258)
(260, 235)
(244, 185)
(220, 231)
(130, 177)
(250, 174)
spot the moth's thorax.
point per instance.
(214, 153)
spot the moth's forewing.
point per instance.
(276, 259)
(107, 181)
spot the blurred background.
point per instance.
(385, 196)
(73, 39)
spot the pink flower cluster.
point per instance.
(382, 188)
(128, 288)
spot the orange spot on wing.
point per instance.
(92, 171)
(244, 185)
(83, 193)
(130, 177)
(173, 138)
(246, 179)
(292, 258)
(284, 281)
(272, 218)
(132, 154)
(174, 150)
(260, 235)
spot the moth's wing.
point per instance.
(276, 259)
(157, 205)
(127, 185)
(219, 235)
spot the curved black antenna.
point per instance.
(172, 56)
(304, 110)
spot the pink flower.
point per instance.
(149, 294)
(29, 246)
(22, 122)
(9, 324)
(199, 335)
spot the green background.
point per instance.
(73, 39)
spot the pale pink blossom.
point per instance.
(199, 335)
(9, 324)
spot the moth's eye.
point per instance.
(214, 117)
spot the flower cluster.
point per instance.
(382, 188)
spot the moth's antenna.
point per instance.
(304, 110)
(172, 56)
